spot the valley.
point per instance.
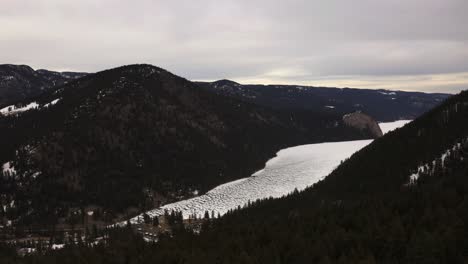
(102, 148)
(233, 132)
(115, 149)
(293, 169)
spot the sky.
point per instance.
(393, 44)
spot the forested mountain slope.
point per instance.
(383, 105)
(366, 211)
(136, 136)
(20, 82)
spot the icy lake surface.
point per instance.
(387, 127)
(292, 168)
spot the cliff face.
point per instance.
(362, 121)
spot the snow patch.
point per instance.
(12, 109)
(388, 93)
(426, 169)
(52, 103)
(8, 169)
(35, 174)
(57, 246)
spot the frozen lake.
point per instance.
(292, 168)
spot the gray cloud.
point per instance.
(420, 44)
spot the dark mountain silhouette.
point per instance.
(383, 105)
(138, 135)
(20, 82)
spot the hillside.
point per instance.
(20, 82)
(383, 105)
(134, 137)
(371, 209)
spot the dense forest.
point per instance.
(369, 210)
(128, 139)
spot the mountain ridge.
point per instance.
(121, 137)
(21, 82)
(383, 105)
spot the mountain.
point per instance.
(383, 105)
(133, 137)
(401, 199)
(20, 82)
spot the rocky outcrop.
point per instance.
(362, 121)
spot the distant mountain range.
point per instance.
(20, 82)
(383, 105)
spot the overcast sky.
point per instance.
(395, 44)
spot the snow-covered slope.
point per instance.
(14, 110)
(11, 110)
(429, 169)
(292, 168)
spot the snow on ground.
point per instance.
(292, 168)
(11, 110)
(8, 169)
(52, 103)
(388, 93)
(390, 126)
(57, 246)
(426, 168)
